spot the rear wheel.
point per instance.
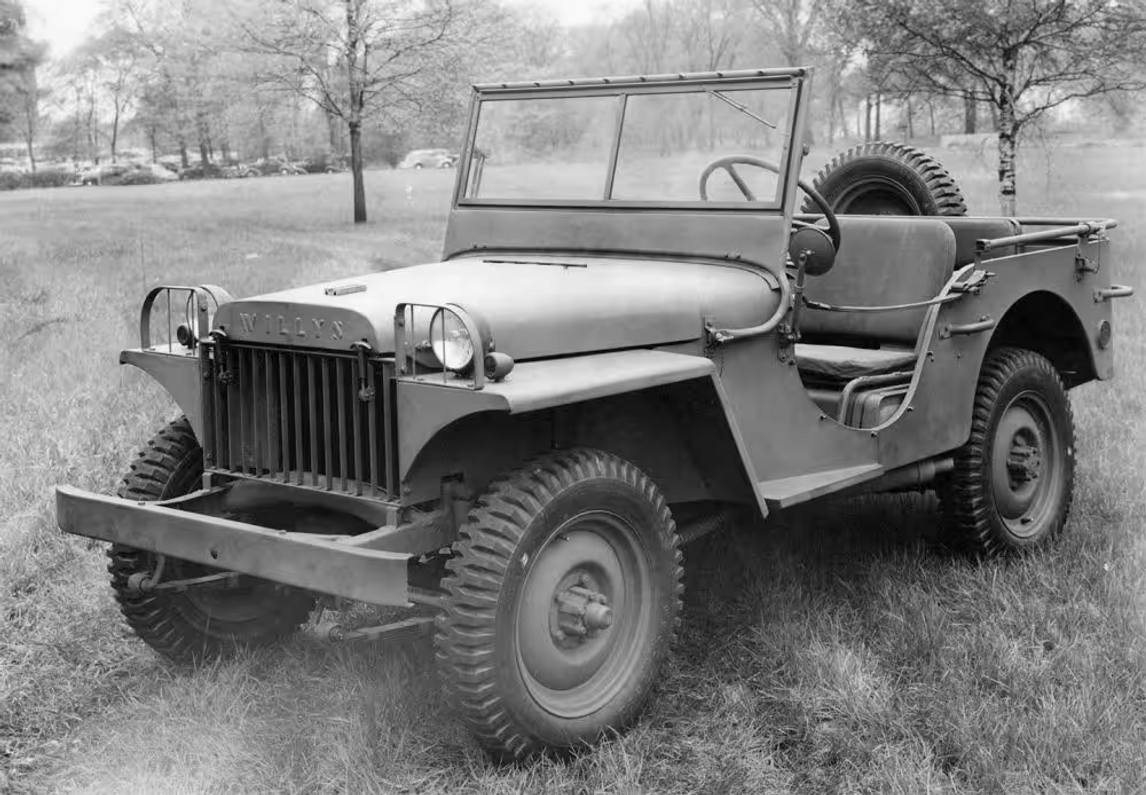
(563, 599)
(1013, 480)
(886, 178)
(200, 623)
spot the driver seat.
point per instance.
(882, 261)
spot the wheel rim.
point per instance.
(247, 600)
(877, 197)
(1026, 466)
(584, 615)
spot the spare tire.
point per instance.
(885, 178)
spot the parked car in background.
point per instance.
(124, 174)
(429, 158)
(103, 172)
(201, 171)
(240, 171)
(159, 171)
(325, 164)
(273, 166)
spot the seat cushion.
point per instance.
(840, 363)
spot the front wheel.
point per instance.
(200, 623)
(1013, 480)
(562, 602)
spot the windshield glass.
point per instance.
(562, 149)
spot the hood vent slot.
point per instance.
(345, 289)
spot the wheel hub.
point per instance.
(584, 613)
(580, 612)
(1024, 461)
(1026, 466)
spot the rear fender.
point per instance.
(1038, 300)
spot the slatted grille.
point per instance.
(315, 419)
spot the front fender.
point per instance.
(427, 409)
(178, 374)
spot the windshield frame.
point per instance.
(792, 80)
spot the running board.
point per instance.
(786, 492)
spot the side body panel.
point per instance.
(936, 417)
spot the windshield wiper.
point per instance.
(742, 108)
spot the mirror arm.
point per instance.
(798, 293)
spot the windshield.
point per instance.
(643, 148)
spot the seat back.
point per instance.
(882, 261)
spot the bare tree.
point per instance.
(114, 57)
(31, 95)
(1023, 58)
(351, 56)
(710, 32)
(19, 91)
(793, 25)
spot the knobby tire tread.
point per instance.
(965, 497)
(940, 184)
(169, 456)
(465, 636)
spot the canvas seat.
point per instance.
(841, 363)
(882, 261)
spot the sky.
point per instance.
(65, 23)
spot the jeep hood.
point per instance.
(535, 307)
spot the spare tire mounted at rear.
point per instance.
(884, 178)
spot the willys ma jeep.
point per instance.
(611, 356)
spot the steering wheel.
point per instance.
(728, 163)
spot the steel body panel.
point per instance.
(535, 306)
(541, 385)
(426, 408)
(785, 433)
(302, 561)
(178, 374)
(936, 416)
(749, 235)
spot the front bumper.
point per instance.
(325, 564)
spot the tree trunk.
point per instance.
(152, 136)
(332, 126)
(114, 131)
(867, 118)
(909, 130)
(183, 156)
(878, 116)
(1008, 141)
(93, 142)
(356, 170)
(970, 114)
(354, 75)
(31, 144)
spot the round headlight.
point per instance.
(450, 341)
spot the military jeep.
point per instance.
(633, 333)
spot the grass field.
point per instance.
(834, 649)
